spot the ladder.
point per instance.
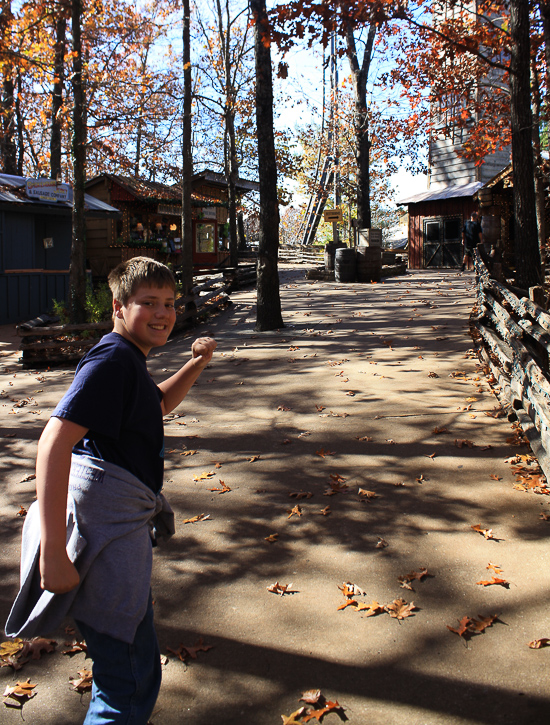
(317, 202)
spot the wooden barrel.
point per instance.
(345, 265)
(369, 264)
(330, 251)
(490, 225)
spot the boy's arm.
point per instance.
(175, 388)
(53, 465)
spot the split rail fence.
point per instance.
(514, 337)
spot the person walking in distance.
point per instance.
(471, 236)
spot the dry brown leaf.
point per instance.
(281, 589)
(322, 453)
(296, 511)
(494, 580)
(188, 453)
(433, 375)
(253, 458)
(16, 696)
(442, 429)
(407, 579)
(195, 519)
(366, 494)
(400, 609)
(224, 488)
(75, 647)
(326, 511)
(204, 476)
(539, 643)
(365, 439)
(312, 697)
(300, 494)
(347, 603)
(284, 408)
(349, 589)
(272, 538)
(487, 533)
(494, 567)
(464, 442)
(292, 719)
(84, 682)
(494, 477)
(382, 543)
(321, 712)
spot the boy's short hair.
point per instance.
(126, 277)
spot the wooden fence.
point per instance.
(513, 333)
(62, 343)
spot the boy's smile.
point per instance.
(147, 318)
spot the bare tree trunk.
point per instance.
(20, 126)
(187, 181)
(537, 157)
(77, 272)
(240, 229)
(268, 315)
(527, 255)
(361, 121)
(57, 96)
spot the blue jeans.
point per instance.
(126, 676)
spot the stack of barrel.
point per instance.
(369, 255)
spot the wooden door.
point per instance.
(442, 239)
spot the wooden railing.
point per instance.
(301, 254)
(513, 334)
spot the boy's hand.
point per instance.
(202, 350)
(58, 574)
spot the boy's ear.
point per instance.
(117, 308)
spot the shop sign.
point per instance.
(48, 190)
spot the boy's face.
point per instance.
(147, 318)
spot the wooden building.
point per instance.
(436, 219)
(150, 222)
(35, 247)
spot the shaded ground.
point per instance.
(387, 362)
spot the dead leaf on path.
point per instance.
(75, 648)
(281, 589)
(224, 488)
(252, 459)
(336, 487)
(437, 430)
(312, 697)
(495, 477)
(365, 439)
(400, 609)
(296, 511)
(284, 408)
(204, 475)
(326, 511)
(184, 651)
(494, 567)
(421, 478)
(350, 392)
(432, 455)
(84, 682)
(319, 408)
(487, 533)
(304, 434)
(545, 517)
(22, 511)
(28, 478)
(407, 579)
(347, 603)
(472, 399)
(367, 494)
(319, 714)
(195, 519)
(382, 543)
(349, 589)
(494, 580)
(469, 626)
(292, 719)
(188, 453)
(322, 453)
(16, 696)
(300, 494)
(464, 442)
(272, 538)
(539, 643)
(433, 375)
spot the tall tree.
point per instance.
(187, 149)
(77, 278)
(56, 149)
(269, 315)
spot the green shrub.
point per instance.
(60, 310)
(99, 304)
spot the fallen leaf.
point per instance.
(28, 478)
(188, 453)
(367, 494)
(495, 477)
(437, 430)
(366, 439)
(272, 538)
(350, 392)
(545, 517)
(16, 696)
(224, 487)
(494, 567)
(195, 519)
(300, 494)
(347, 603)
(184, 651)
(312, 697)
(406, 579)
(319, 408)
(399, 609)
(349, 589)
(369, 610)
(469, 626)
(281, 589)
(494, 580)
(382, 543)
(296, 511)
(487, 533)
(539, 643)
(253, 458)
(326, 511)
(204, 475)
(22, 511)
(292, 719)
(75, 648)
(322, 453)
(464, 442)
(421, 478)
(284, 408)
(432, 455)
(84, 682)
(433, 375)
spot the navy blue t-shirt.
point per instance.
(114, 396)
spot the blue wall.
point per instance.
(31, 277)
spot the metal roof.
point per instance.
(448, 192)
(12, 191)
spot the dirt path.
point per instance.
(349, 394)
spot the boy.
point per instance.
(471, 236)
(87, 543)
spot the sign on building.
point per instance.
(48, 190)
(333, 215)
